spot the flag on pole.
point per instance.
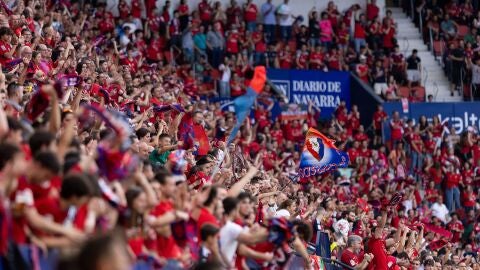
(320, 155)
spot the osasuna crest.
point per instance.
(316, 147)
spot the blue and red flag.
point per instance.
(320, 155)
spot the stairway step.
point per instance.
(433, 77)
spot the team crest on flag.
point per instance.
(320, 155)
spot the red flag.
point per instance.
(200, 140)
(438, 230)
(436, 245)
(193, 136)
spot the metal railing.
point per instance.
(420, 20)
(412, 10)
(424, 69)
(405, 40)
(436, 91)
(471, 91)
(337, 264)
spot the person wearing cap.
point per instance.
(353, 255)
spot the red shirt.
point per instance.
(353, 155)
(469, 199)
(205, 11)
(20, 199)
(206, 217)
(286, 60)
(277, 135)
(351, 259)
(51, 207)
(437, 131)
(452, 179)
(316, 60)
(166, 246)
(455, 225)
(124, 10)
(154, 49)
(260, 45)
(429, 146)
(362, 71)
(378, 118)
(251, 13)
(360, 137)
(377, 248)
(476, 152)
(372, 11)
(436, 175)
(131, 63)
(302, 60)
(365, 152)
(236, 89)
(4, 48)
(396, 129)
(232, 42)
(416, 140)
(431, 194)
(359, 31)
(183, 9)
(388, 34)
(269, 159)
(154, 22)
(343, 36)
(136, 9)
(334, 61)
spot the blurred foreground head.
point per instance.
(103, 252)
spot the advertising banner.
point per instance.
(458, 115)
(324, 89)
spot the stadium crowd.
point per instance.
(452, 33)
(108, 145)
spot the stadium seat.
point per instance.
(403, 91)
(462, 31)
(437, 48)
(467, 93)
(418, 93)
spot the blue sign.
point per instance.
(458, 115)
(324, 89)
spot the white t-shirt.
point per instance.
(285, 13)
(228, 239)
(440, 211)
(226, 73)
(282, 213)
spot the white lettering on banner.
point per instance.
(317, 86)
(459, 123)
(318, 100)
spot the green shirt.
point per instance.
(469, 38)
(157, 159)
